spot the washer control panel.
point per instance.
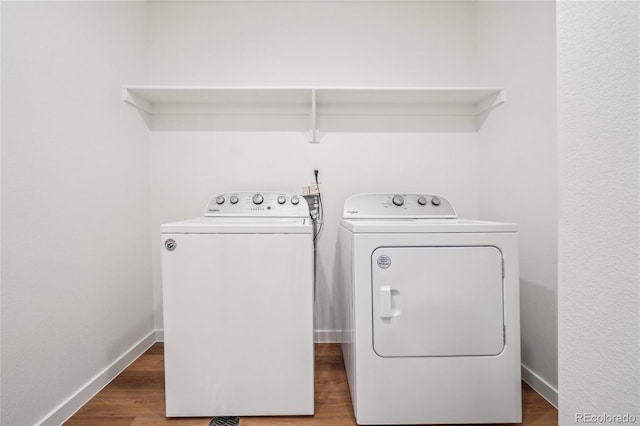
(250, 204)
(398, 206)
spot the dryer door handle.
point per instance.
(385, 302)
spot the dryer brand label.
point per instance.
(170, 244)
(384, 261)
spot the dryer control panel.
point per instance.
(257, 204)
(398, 206)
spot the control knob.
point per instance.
(422, 201)
(295, 200)
(220, 199)
(435, 201)
(233, 199)
(398, 200)
(258, 199)
(282, 199)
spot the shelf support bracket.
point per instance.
(484, 107)
(141, 105)
(135, 101)
(314, 134)
(490, 103)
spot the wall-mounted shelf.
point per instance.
(314, 109)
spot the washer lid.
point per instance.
(240, 225)
(415, 226)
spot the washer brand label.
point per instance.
(384, 261)
(170, 244)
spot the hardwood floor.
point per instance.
(136, 397)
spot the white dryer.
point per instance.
(238, 308)
(431, 309)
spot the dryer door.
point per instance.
(437, 301)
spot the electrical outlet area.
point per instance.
(311, 190)
(311, 193)
(314, 205)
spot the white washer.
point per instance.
(431, 309)
(238, 308)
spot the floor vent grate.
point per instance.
(225, 421)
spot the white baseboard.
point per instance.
(327, 336)
(540, 385)
(159, 335)
(69, 407)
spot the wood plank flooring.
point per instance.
(136, 398)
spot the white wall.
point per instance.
(309, 43)
(518, 177)
(0, 217)
(599, 193)
(76, 273)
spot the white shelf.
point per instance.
(314, 109)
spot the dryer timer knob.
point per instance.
(435, 201)
(258, 199)
(398, 200)
(422, 201)
(295, 200)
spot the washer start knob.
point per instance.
(398, 200)
(258, 199)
